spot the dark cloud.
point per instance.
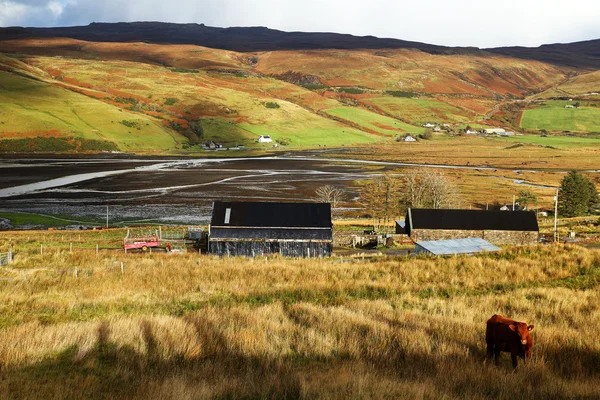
(457, 22)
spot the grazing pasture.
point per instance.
(553, 116)
(188, 326)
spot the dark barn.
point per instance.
(499, 227)
(255, 229)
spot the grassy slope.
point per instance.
(189, 326)
(420, 111)
(32, 108)
(381, 124)
(553, 116)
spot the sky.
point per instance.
(480, 23)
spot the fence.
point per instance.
(6, 258)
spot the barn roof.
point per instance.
(457, 246)
(273, 215)
(271, 221)
(422, 218)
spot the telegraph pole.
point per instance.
(107, 217)
(556, 215)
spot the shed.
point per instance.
(454, 246)
(500, 227)
(263, 228)
(400, 227)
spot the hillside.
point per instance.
(176, 96)
(250, 39)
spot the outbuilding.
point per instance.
(498, 227)
(455, 246)
(263, 228)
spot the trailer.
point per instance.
(142, 242)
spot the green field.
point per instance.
(31, 108)
(553, 116)
(561, 142)
(419, 111)
(18, 219)
(379, 123)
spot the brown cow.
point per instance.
(504, 334)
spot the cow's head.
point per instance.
(522, 330)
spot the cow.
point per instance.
(505, 334)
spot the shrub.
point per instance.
(170, 101)
(272, 104)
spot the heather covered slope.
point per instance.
(327, 97)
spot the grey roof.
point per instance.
(271, 215)
(457, 246)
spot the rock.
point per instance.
(5, 225)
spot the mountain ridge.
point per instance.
(584, 55)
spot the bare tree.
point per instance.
(330, 194)
(380, 198)
(426, 188)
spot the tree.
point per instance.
(578, 195)
(330, 194)
(527, 197)
(380, 198)
(428, 189)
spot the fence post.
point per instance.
(10, 255)
(76, 273)
(122, 268)
(41, 249)
(96, 248)
(71, 247)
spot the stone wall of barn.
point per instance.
(496, 237)
(257, 248)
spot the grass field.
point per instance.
(561, 142)
(380, 124)
(189, 326)
(419, 111)
(31, 108)
(553, 116)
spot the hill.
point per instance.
(249, 39)
(191, 94)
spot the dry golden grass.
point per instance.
(190, 326)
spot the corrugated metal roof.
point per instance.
(457, 246)
(477, 220)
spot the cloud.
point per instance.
(448, 22)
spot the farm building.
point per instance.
(454, 246)
(265, 139)
(409, 138)
(491, 131)
(499, 227)
(400, 227)
(256, 229)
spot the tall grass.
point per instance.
(190, 326)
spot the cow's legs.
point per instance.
(490, 350)
(513, 356)
(497, 355)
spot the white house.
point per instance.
(265, 139)
(408, 138)
(428, 125)
(494, 130)
(569, 106)
(471, 132)
(505, 133)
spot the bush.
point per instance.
(351, 90)
(170, 101)
(284, 141)
(272, 104)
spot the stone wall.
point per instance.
(496, 237)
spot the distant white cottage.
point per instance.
(491, 131)
(408, 138)
(265, 139)
(428, 125)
